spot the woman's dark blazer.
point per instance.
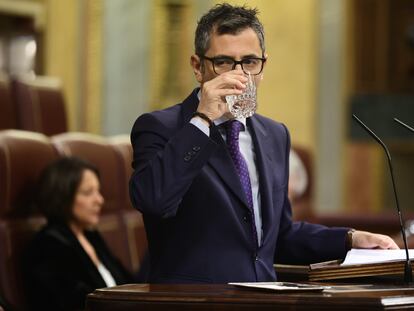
(58, 274)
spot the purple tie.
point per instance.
(233, 128)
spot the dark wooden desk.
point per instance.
(226, 297)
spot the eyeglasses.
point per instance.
(252, 65)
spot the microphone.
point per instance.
(405, 125)
(408, 277)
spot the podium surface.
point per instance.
(227, 297)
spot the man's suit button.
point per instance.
(245, 218)
(191, 153)
(196, 148)
(187, 158)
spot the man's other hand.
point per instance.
(364, 239)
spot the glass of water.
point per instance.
(245, 104)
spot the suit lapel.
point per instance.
(220, 160)
(261, 141)
(222, 163)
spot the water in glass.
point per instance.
(245, 104)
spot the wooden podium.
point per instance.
(226, 297)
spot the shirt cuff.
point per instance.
(200, 125)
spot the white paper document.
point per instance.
(371, 256)
(282, 286)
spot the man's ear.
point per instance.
(195, 62)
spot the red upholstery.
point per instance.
(14, 235)
(7, 110)
(133, 222)
(137, 237)
(22, 157)
(122, 146)
(40, 105)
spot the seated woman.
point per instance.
(68, 258)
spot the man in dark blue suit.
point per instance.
(203, 223)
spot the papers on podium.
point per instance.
(361, 263)
(336, 289)
(371, 256)
(282, 286)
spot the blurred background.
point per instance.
(116, 59)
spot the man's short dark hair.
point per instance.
(226, 19)
(57, 187)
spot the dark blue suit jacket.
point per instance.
(197, 220)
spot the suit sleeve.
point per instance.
(302, 242)
(166, 160)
